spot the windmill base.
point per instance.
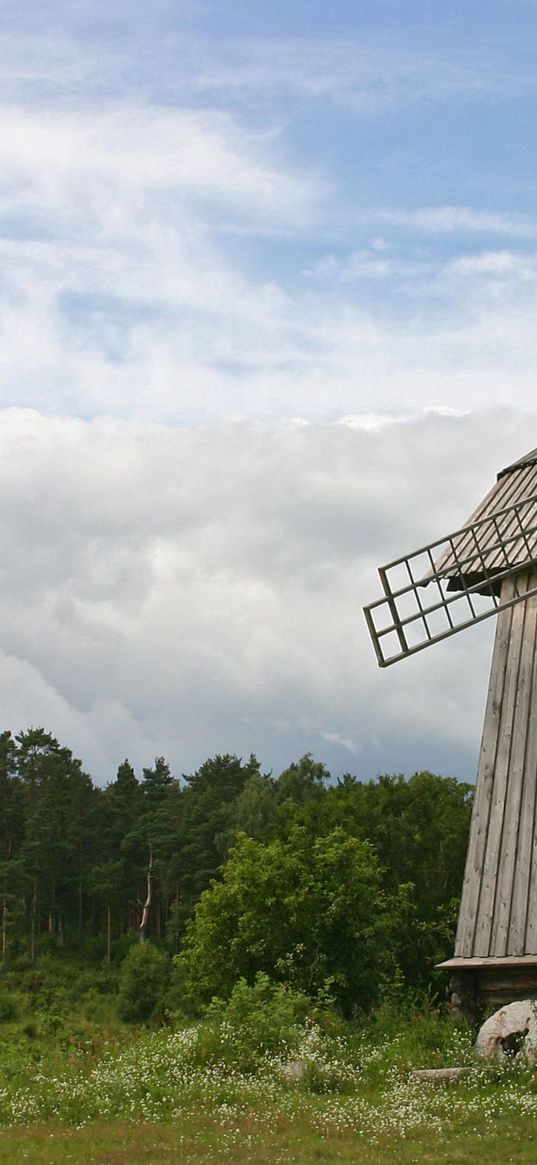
(479, 985)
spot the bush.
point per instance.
(8, 1008)
(256, 1020)
(306, 910)
(143, 977)
(51, 1007)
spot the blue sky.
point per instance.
(337, 198)
(315, 222)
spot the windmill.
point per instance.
(489, 567)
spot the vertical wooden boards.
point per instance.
(484, 794)
(497, 915)
(524, 786)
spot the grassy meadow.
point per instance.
(259, 1079)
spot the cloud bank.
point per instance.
(193, 591)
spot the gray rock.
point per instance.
(510, 1031)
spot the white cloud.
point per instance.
(377, 421)
(457, 219)
(56, 156)
(124, 290)
(365, 72)
(187, 592)
(517, 268)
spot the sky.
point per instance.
(268, 290)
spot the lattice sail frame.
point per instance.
(406, 620)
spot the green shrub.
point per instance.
(419, 1038)
(102, 980)
(256, 1020)
(8, 1008)
(143, 977)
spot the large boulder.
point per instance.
(510, 1031)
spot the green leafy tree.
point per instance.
(207, 826)
(255, 811)
(419, 829)
(310, 911)
(302, 782)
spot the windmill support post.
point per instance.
(488, 567)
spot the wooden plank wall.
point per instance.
(498, 915)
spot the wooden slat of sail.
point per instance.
(497, 915)
(414, 614)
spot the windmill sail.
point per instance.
(464, 570)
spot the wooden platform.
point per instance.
(477, 963)
(477, 985)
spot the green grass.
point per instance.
(205, 1141)
(74, 1092)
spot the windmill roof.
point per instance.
(502, 539)
(528, 459)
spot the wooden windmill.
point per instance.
(488, 567)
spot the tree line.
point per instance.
(235, 871)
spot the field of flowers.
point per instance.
(216, 1092)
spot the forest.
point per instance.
(346, 886)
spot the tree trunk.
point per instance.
(80, 913)
(144, 925)
(34, 923)
(109, 932)
(4, 931)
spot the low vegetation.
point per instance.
(268, 1074)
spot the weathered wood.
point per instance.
(439, 1075)
(512, 759)
(475, 860)
(497, 912)
(477, 963)
(490, 889)
(478, 986)
(520, 937)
